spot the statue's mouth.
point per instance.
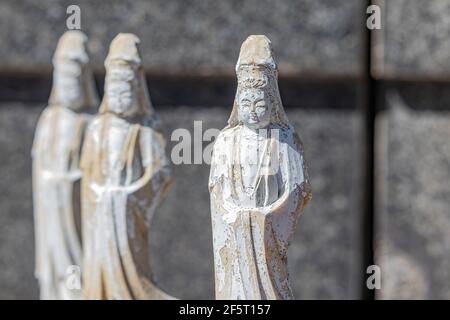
(253, 120)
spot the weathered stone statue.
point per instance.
(56, 173)
(258, 184)
(125, 175)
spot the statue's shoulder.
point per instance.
(149, 128)
(149, 125)
(94, 124)
(289, 136)
(52, 114)
(95, 121)
(228, 134)
(297, 142)
(283, 131)
(223, 143)
(46, 113)
(151, 133)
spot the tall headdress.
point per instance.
(256, 68)
(124, 49)
(72, 46)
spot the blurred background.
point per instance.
(372, 108)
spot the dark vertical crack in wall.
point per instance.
(369, 107)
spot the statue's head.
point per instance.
(257, 103)
(125, 88)
(254, 105)
(73, 85)
(122, 88)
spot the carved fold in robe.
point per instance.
(125, 174)
(258, 184)
(56, 152)
(250, 256)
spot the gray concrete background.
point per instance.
(319, 38)
(189, 50)
(412, 239)
(313, 41)
(323, 264)
(325, 257)
(413, 42)
(412, 155)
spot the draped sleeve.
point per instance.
(219, 161)
(283, 213)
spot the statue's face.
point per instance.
(68, 82)
(121, 89)
(254, 108)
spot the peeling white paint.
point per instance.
(258, 184)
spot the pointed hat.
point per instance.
(72, 46)
(124, 47)
(256, 50)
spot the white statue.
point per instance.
(258, 184)
(125, 176)
(56, 173)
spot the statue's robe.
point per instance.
(125, 175)
(254, 211)
(56, 196)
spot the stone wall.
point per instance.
(412, 168)
(189, 50)
(318, 37)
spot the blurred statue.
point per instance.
(56, 173)
(258, 184)
(125, 176)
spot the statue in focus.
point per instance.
(125, 176)
(258, 184)
(56, 173)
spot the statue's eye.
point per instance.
(260, 104)
(245, 105)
